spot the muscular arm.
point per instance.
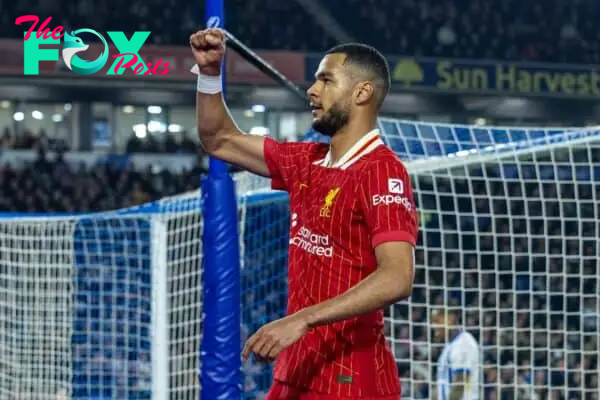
(459, 382)
(222, 139)
(391, 282)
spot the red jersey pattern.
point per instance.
(339, 214)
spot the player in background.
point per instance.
(459, 364)
(353, 226)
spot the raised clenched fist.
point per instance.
(208, 47)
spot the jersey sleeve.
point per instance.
(464, 356)
(285, 162)
(386, 195)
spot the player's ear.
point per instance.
(363, 93)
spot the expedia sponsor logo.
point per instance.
(312, 243)
(388, 199)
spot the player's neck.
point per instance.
(344, 139)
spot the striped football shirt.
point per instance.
(339, 213)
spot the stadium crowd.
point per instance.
(29, 140)
(502, 30)
(165, 143)
(56, 186)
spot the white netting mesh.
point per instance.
(80, 309)
(36, 321)
(184, 267)
(509, 236)
(513, 245)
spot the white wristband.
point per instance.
(208, 84)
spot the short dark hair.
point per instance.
(367, 58)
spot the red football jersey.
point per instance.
(339, 214)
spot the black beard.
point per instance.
(332, 121)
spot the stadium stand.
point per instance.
(56, 186)
(502, 30)
(179, 18)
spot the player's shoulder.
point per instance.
(312, 151)
(316, 151)
(466, 339)
(382, 156)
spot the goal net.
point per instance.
(510, 226)
(103, 305)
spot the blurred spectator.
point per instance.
(134, 144)
(7, 139)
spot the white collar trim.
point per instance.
(363, 146)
